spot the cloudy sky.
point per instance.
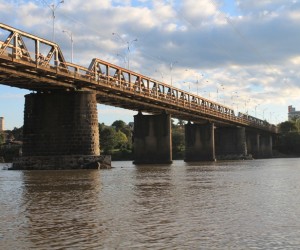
(241, 53)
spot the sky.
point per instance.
(241, 53)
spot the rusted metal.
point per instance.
(47, 70)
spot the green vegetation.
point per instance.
(8, 150)
(289, 139)
(2, 138)
(116, 140)
(178, 143)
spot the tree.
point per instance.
(287, 127)
(107, 139)
(119, 125)
(2, 138)
(121, 140)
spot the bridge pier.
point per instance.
(152, 141)
(231, 143)
(199, 142)
(266, 145)
(253, 143)
(60, 132)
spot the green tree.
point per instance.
(107, 139)
(119, 125)
(2, 138)
(121, 140)
(287, 127)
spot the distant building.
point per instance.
(293, 114)
(1, 124)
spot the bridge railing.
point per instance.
(46, 55)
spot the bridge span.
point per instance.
(60, 117)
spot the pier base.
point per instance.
(60, 131)
(199, 142)
(266, 145)
(152, 139)
(231, 143)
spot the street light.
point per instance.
(161, 74)
(255, 108)
(264, 113)
(171, 68)
(218, 91)
(129, 43)
(53, 7)
(70, 34)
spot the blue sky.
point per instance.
(247, 50)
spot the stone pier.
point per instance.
(266, 145)
(152, 142)
(231, 143)
(199, 142)
(61, 132)
(253, 143)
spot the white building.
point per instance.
(1, 124)
(293, 114)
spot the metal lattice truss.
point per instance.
(33, 63)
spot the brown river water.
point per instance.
(223, 205)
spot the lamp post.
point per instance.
(256, 108)
(70, 34)
(161, 74)
(264, 113)
(218, 91)
(129, 43)
(124, 58)
(53, 7)
(171, 68)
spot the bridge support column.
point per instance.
(199, 142)
(266, 145)
(152, 139)
(60, 131)
(231, 143)
(253, 139)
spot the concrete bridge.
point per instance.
(60, 116)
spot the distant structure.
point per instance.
(1, 124)
(293, 114)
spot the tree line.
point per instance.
(289, 138)
(116, 140)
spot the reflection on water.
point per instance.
(231, 205)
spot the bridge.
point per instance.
(60, 117)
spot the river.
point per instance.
(223, 205)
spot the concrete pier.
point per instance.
(266, 145)
(231, 142)
(61, 126)
(152, 142)
(253, 143)
(199, 142)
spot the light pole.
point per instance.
(70, 34)
(123, 57)
(264, 113)
(218, 91)
(161, 74)
(53, 7)
(129, 43)
(256, 108)
(171, 68)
